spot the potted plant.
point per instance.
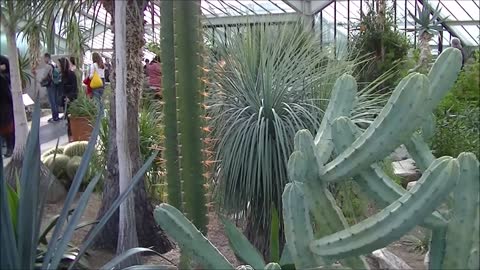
(81, 111)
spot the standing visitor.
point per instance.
(457, 44)
(7, 127)
(108, 69)
(99, 68)
(154, 69)
(50, 80)
(69, 88)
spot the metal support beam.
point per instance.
(318, 5)
(308, 7)
(254, 19)
(453, 23)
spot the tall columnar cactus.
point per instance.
(170, 105)
(181, 51)
(327, 238)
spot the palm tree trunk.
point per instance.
(148, 232)
(21, 128)
(382, 9)
(127, 236)
(425, 51)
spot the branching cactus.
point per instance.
(317, 235)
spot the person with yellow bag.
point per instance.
(96, 74)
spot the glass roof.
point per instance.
(462, 18)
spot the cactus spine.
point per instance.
(170, 106)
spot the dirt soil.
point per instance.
(402, 248)
(98, 258)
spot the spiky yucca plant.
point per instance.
(270, 81)
(428, 23)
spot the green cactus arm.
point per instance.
(170, 106)
(437, 248)
(328, 217)
(298, 229)
(420, 152)
(373, 180)
(241, 246)
(428, 128)
(465, 207)
(395, 123)
(443, 74)
(395, 220)
(341, 104)
(307, 169)
(188, 72)
(189, 238)
(474, 261)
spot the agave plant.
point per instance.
(23, 245)
(270, 81)
(428, 23)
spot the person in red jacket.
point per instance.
(154, 70)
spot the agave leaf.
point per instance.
(137, 177)
(241, 246)
(9, 258)
(120, 258)
(28, 205)
(51, 224)
(274, 236)
(13, 201)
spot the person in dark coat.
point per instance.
(7, 126)
(68, 87)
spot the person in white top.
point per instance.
(100, 68)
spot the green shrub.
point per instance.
(457, 132)
(83, 106)
(466, 91)
(387, 46)
(457, 116)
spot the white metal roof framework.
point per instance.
(334, 18)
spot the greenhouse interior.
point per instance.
(240, 134)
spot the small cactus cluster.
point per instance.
(64, 161)
(316, 233)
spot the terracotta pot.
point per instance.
(81, 128)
